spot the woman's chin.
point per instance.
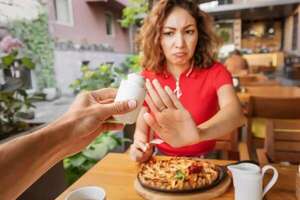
(179, 61)
(183, 63)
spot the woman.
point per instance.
(190, 96)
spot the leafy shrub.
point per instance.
(39, 45)
(78, 164)
(13, 96)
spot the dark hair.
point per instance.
(150, 32)
(236, 52)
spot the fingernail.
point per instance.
(146, 114)
(144, 148)
(167, 88)
(132, 103)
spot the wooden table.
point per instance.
(255, 80)
(116, 173)
(285, 187)
(269, 91)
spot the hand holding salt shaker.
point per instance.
(131, 88)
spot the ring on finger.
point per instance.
(161, 108)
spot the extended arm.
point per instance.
(25, 159)
(228, 118)
(175, 125)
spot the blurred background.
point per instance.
(51, 50)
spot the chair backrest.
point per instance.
(269, 108)
(228, 144)
(282, 141)
(274, 107)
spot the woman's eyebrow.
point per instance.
(189, 25)
(174, 28)
(169, 27)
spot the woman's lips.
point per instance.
(181, 54)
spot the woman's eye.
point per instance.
(190, 32)
(168, 33)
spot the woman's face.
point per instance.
(179, 37)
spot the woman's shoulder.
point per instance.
(149, 74)
(217, 66)
(217, 69)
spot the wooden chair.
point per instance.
(231, 148)
(256, 80)
(282, 142)
(269, 108)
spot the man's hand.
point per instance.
(86, 117)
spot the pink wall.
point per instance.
(89, 25)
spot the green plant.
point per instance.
(106, 75)
(93, 79)
(134, 13)
(39, 45)
(13, 96)
(78, 164)
(224, 34)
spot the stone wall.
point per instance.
(67, 65)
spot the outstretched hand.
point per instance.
(87, 117)
(168, 118)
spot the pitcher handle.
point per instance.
(272, 181)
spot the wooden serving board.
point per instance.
(204, 195)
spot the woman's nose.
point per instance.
(179, 41)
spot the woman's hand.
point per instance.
(170, 120)
(140, 151)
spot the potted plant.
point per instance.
(13, 97)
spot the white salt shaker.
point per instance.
(131, 88)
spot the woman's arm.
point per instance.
(25, 159)
(228, 118)
(141, 130)
(140, 150)
(175, 125)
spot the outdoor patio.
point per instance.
(51, 51)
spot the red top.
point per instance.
(198, 94)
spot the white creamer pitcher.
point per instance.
(248, 181)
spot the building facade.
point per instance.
(89, 22)
(86, 31)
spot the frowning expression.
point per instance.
(179, 37)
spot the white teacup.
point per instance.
(87, 193)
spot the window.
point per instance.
(109, 22)
(63, 11)
(295, 32)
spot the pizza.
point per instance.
(178, 174)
